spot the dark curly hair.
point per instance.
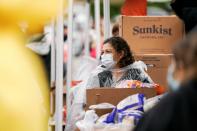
(119, 44)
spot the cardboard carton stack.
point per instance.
(151, 39)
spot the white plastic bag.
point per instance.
(143, 67)
(151, 102)
(76, 114)
(113, 127)
(42, 46)
(87, 124)
(102, 106)
(127, 105)
(77, 99)
(133, 102)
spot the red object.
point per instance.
(65, 53)
(74, 83)
(159, 89)
(93, 53)
(134, 8)
(64, 114)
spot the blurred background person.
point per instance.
(187, 11)
(115, 29)
(180, 106)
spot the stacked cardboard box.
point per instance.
(157, 66)
(151, 39)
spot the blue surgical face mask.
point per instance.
(107, 60)
(172, 83)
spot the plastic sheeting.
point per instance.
(105, 78)
(41, 47)
(83, 66)
(151, 102)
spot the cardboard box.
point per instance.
(151, 34)
(113, 96)
(157, 66)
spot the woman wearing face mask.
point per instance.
(118, 64)
(178, 110)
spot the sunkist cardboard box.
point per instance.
(151, 34)
(151, 39)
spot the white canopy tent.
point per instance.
(69, 61)
(106, 4)
(97, 23)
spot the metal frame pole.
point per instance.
(59, 69)
(69, 61)
(87, 40)
(53, 54)
(98, 30)
(106, 4)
